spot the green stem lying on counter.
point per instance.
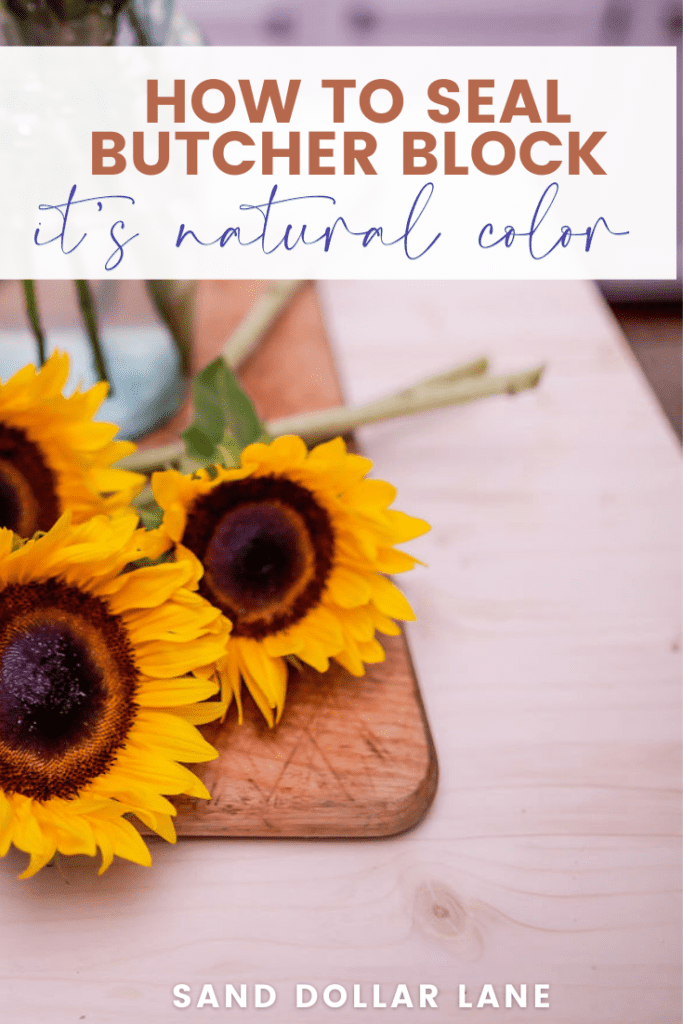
(34, 317)
(462, 384)
(432, 394)
(87, 305)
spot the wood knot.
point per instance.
(440, 914)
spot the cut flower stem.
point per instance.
(34, 318)
(452, 388)
(87, 306)
(464, 383)
(265, 311)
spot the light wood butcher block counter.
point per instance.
(547, 646)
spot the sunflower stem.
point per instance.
(463, 384)
(318, 426)
(175, 303)
(265, 311)
(87, 305)
(159, 457)
(33, 314)
(475, 368)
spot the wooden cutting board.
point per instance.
(351, 757)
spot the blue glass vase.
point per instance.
(146, 341)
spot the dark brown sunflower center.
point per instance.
(267, 548)
(28, 497)
(51, 690)
(255, 555)
(67, 689)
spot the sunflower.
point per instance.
(294, 545)
(53, 457)
(101, 670)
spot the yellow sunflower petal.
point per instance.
(371, 651)
(160, 731)
(351, 660)
(38, 859)
(347, 588)
(126, 842)
(389, 599)
(203, 713)
(162, 824)
(390, 560)
(147, 587)
(165, 693)
(231, 680)
(76, 628)
(59, 458)
(295, 546)
(370, 495)
(161, 659)
(405, 527)
(138, 770)
(262, 702)
(105, 846)
(383, 623)
(171, 620)
(279, 645)
(269, 675)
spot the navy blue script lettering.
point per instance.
(272, 238)
(64, 210)
(540, 213)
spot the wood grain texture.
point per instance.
(547, 645)
(350, 758)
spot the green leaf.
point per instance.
(223, 415)
(151, 517)
(199, 447)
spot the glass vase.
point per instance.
(146, 333)
(146, 340)
(85, 22)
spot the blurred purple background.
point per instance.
(451, 23)
(432, 22)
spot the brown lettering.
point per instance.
(578, 153)
(521, 90)
(338, 85)
(154, 101)
(435, 94)
(219, 153)
(396, 101)
(139, 154)
(199, 93)
(269, 153)
(270, 93)
(553, 116)
(191, 138)
(113, 152)
(353, 155)
(315, 153)
(424, 153)
(450, 166)
(478, 153)
(475, 100)
(525, 153)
